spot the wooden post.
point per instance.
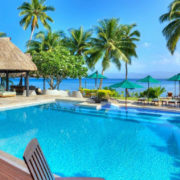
(7, 81)
(44, 83)
(27, 83)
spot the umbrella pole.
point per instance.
(148, 92)
(85, 83)
(126, 97)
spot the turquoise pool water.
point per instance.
(114, 143)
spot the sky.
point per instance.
(153, 55)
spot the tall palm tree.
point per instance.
(33, 12)
(79, 42)
(107, 46)
(131, 37)
(172, 30)
(2, 34)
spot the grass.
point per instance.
(128, 98)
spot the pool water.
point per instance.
(114, 143)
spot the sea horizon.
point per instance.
(73, 84)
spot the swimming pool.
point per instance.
(114, 143)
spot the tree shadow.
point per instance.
(173, 150)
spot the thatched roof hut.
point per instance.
(13, 60)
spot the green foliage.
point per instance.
(33, 12)
(113, 43)
(79, 41)
(113, 91)
(45, 41)
(102, 95)
(2, 34)
(106, 93)
(58, 64)
(171, 31)
(153, 92)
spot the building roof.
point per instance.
(13, 59)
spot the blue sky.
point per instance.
(153, 56)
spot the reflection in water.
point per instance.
(171, 137)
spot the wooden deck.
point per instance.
(9, 172)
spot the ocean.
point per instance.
(73, 84)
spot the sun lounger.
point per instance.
(38, 167)
(155, 101)
(164, 102)
(172, 102)
(7, 94)
(142, 100)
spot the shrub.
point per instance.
(101, 92)
(114, 93)
(153, 92)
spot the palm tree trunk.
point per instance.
(32, 32)
(126, 66)
(80, 83)
(101, 81)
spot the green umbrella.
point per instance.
(126, 85)
(96, 76)
(148, 79)
(175, 78)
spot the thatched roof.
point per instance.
(13, 59)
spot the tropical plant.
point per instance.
(172, 30)
(2, 34)
(45, 41)
(78, 43)
(107, 46)
(33, 12)
(153, 92)
(57, 64)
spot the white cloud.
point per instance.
(146, 44)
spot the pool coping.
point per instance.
(82, 102)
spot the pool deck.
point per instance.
(21, 101)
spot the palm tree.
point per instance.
(107, 46)
(33, 12)
(78, 43)
(2, 34)
(172, 30)
(131, 37)
(44, 41)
